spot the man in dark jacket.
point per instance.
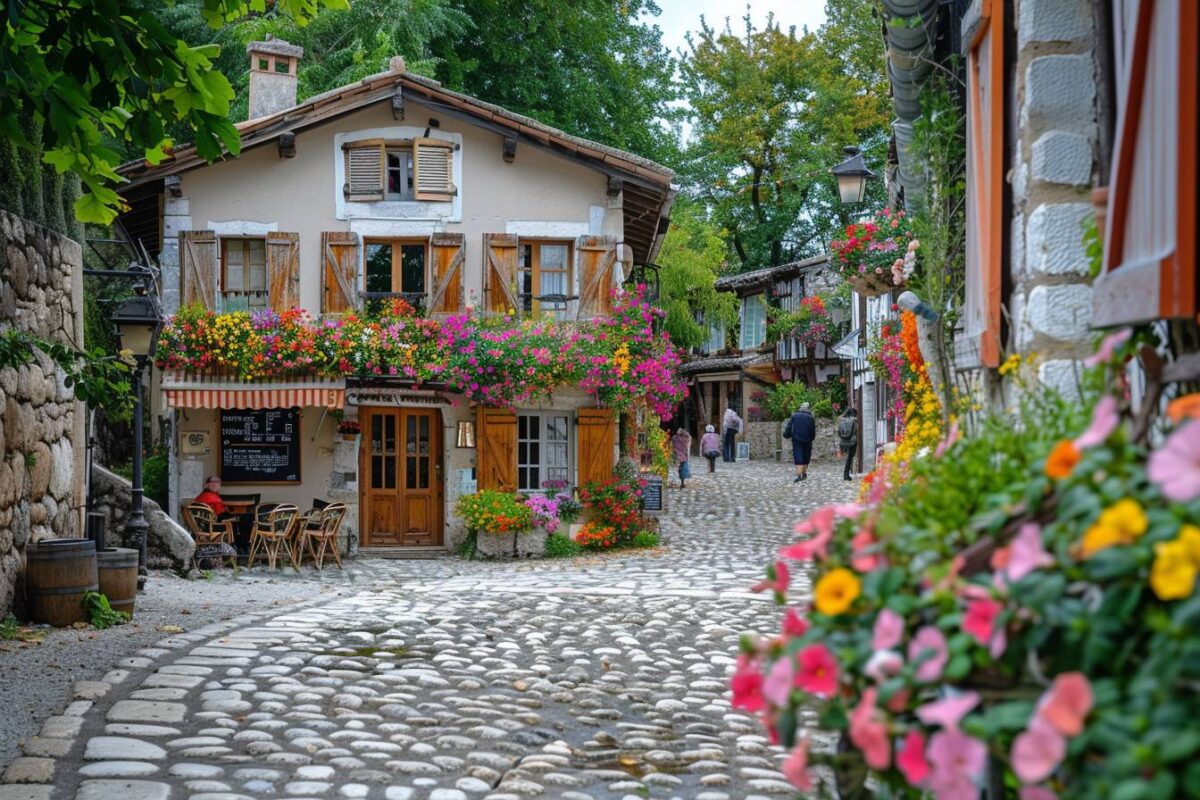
(847, 432)
(802, 430)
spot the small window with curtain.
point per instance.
(395, 270)
(399, 170)
(243, 274)
(754, 321)
(543, 451)
(544, 278)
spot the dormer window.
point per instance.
(415, 169)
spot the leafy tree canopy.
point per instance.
(692, 257)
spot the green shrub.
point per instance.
(100, 614)
(494, 511)
(646, 539)
(561, 547)
(154, 478)
(467, 548)
(785, 399)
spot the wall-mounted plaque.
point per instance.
(195, 443)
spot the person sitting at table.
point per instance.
(211, 497)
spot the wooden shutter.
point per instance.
(597, 260)
(597, 432)
(283, 270)
(364, 172)
(446, 251)
(433, 169)
(1150, 250)
(500, 272)
(340, 255)
(985, 184)
(496, 449)
(199, 262)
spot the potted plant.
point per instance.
(491, 516)
(877, 254)
(349, 429)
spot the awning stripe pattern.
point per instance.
(189, 392)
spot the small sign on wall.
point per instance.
(195, 443)
(743, 451)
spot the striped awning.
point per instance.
(190, 391)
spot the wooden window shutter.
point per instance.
(433, 169)
(597, 434)
(496, 449)
(597, 260)
(340, 255)
(364, 172)
(500, 272)
(283, 270)
(985, 182)
(199, 260)
(447, 251)
(1150, 249)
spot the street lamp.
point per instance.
(138, 321)
(852, 176)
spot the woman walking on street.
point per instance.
(681, 446)
(847, 432)
(710, 447)
(802, 430)
(732, 424)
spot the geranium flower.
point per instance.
(956, 765)
(793, 623)
(910, 759)
(818, 671)
(1037, 751)
(949, 711)
(888, 631)
(1062, 459)
(979, 621)
(778, 580)
(1104, 421)
(868, 732)
(1067, 703)
(795, 766)
(1108, 347)
(929, 647)
(1175, 468)
(746, 684)
(836, 591)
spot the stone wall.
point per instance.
(766, 441)
(42, 436)
(168, 545)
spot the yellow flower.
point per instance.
(836, 592)
(1011, 364)
(1127, 517)
(1189, 537)
(1100, 537)
(1173, 574)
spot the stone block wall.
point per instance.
(42, 434)
(168, 545)
(1053, 162)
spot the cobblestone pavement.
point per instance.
(449, 680)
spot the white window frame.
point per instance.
(542, 441)
(395, 217)
(753, 332)
(407, 193)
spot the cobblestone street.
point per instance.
(450, 680)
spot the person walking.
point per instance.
(732, 425)
(847, 432)
(710, 447)
(681, 447)
(802, 430)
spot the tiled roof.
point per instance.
(764, 277)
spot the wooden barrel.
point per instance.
(57, 573)
(117, 567)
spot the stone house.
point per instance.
(392, 187)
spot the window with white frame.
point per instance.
(543, 450)
(754, 321)
(716, 338)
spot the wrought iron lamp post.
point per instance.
(852, 175)
(138, 322)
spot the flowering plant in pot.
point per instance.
(877, 254)
(349, 428)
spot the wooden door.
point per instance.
(402, 490)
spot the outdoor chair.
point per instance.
(272, 533)
(321, 535)
(213, 537)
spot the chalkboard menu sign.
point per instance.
(652, 495)
(260, 445)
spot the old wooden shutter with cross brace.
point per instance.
(597, 433)
(198, 262)
(500, 272)
(447, 252)
(283, 270)
(496, 449)
(597, 263)
(340, 255)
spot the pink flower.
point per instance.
(778, 579)
(949, 711)
(1108, 347)
(952, 436)
(1176, 467)
(793, 623)
(1026, 553)
(980, 621)
(929, 646)
(863, 557)
(1037, 751)
(818, 672)
(1104, 421)
(868, 732)
(888, 631)
(795, 766)
(1068, 702)
(778, 684)
(910, 758)
(746, 684)
(956, 764)
(820, 526)
(1036, 793)
(883, 664)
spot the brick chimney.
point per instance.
(273, 66)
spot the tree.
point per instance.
(771, 112)
(691, 259)
(94, 72)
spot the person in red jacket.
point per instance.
(211, 497)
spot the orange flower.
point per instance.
(1062, 459)
(1186, 406)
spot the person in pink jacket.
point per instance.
(710, 447)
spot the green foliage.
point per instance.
(771, 111)
(97, 79)
(29, 190)
(99, 380)
(616, 504)
(561, 547)
(646, 539)
(691, 259)
(467, 548)
(493, 511)
(1093, 246)
(154, 477)
(827, 399)
(9, 627)
(100, 613)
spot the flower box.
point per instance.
(506, 545)
(871, 285)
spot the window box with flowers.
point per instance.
(349, 429)
(877, 254)
(498, 525)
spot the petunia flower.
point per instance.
(1108, 347)
(778, 684)
(1104, 421)
(1036, 793)
(793, 623)
(980, 619)
(956, 765)
(1175, 468)
(1037, 751)
(910, 758)
(1026, 553)
(868, 732)
(948, 711)
(747, 684)
(1067, 703)
(778, 580)
(863, 556)
(817, 671)
(795, 766)
(929, 647)
(888, 631)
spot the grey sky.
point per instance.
(680, 16)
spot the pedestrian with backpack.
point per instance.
(732, 424)
(802, 430)
(847, 432)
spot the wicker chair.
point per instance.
(272, 533)
(213, 537)
(323, 537)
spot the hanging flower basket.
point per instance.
(869, 284)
